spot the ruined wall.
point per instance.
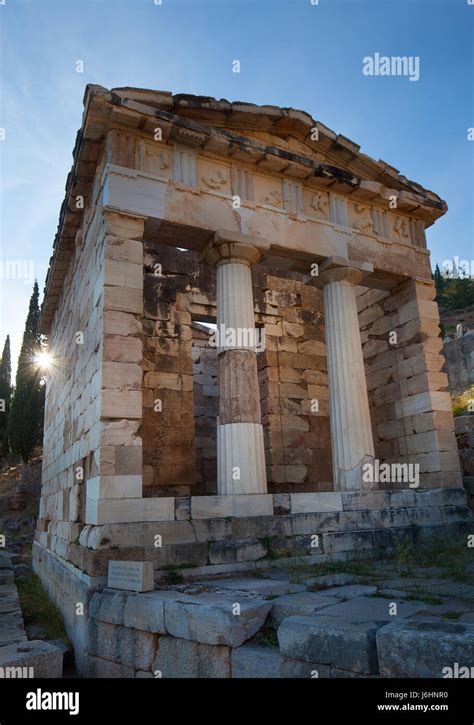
(179, 440)
(410, 411)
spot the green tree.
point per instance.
(439, 282)
(5, 396)
(25, 424)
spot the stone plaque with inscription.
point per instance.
(136, 576)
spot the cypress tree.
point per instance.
(5, 395)
(25, 423)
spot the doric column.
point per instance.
(240, 448)
(351, 430)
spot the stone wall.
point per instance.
(72, 409)
(410, 409)
(94, 396)
(464, 428)
(205, 394)
(459, 354)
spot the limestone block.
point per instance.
(129, 647)
(256, 661)
(119, 273)
(125, 250)
(304, 603)
(122, 375)
(111, 511)
(424, 649)
(45, 659)
(215, 619)
(123, 299)
(181, 658)
(370, 609)
(108, 606)
(362, 500)
(423, 403)
(117, 487)
(98, 668)
(335, 641)
(121, 404)
(146, 611)
(226, 552)
(302, 503)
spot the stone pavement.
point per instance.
(296, 624)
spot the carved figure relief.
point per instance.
(401, 227)
(216, 180)
(364, 223)
(319, 203)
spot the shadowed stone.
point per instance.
(424, 649)
(184, 659)
(221, 618)
(256, 661)
(303, 603)
(347, 644)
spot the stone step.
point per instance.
(426, 649)
(347, 644)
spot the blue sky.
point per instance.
(292, 53)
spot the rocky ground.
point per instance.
(32, 616)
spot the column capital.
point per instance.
(340, 269)
(226, 247)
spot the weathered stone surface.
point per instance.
(98, 668)
(256, 661)
(180, 658)
(217, 619)
(304, 603)
(45, 659)
(348, 591)
(424, 649)
(147, 611)
(337, 641)
(226, 552)
(264, 587)
(108, 606)
(374, 609)
(126, 646)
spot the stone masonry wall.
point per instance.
(410, 409)
(205, 393)
(292, 375)
(92, 449)
(72, 411)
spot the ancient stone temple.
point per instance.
(247, 361)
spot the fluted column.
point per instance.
(240, 447)
(351, 430)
